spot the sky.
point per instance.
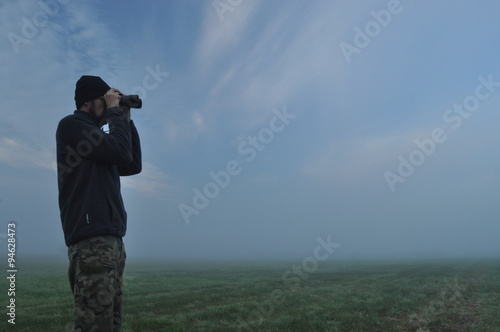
(267, 127)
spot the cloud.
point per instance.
(151, 181)
(198, 121)
(17, 154)
(70, 40)
(362, 160)
(217, 36)
(188, 128)
(256, 64)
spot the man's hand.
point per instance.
(112, 98)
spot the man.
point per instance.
(90, 163)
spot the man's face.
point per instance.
(97, 107)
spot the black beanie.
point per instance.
(89, 88)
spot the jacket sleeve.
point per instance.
(135, 167)
(85, 140)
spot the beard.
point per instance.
(93, 112)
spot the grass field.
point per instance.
(453, 295)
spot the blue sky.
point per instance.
(214, 75)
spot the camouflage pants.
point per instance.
(95, 274)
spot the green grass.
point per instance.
(459, 295)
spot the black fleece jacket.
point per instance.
(89, 165)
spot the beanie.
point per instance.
(89, 88)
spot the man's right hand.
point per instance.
(112, 98)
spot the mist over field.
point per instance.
(268, 127)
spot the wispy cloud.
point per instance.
(152, 180)
(255, 65)
(362, 159)
(18, 154)
(42, 75)
(217, 37)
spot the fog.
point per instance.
(267, 127)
